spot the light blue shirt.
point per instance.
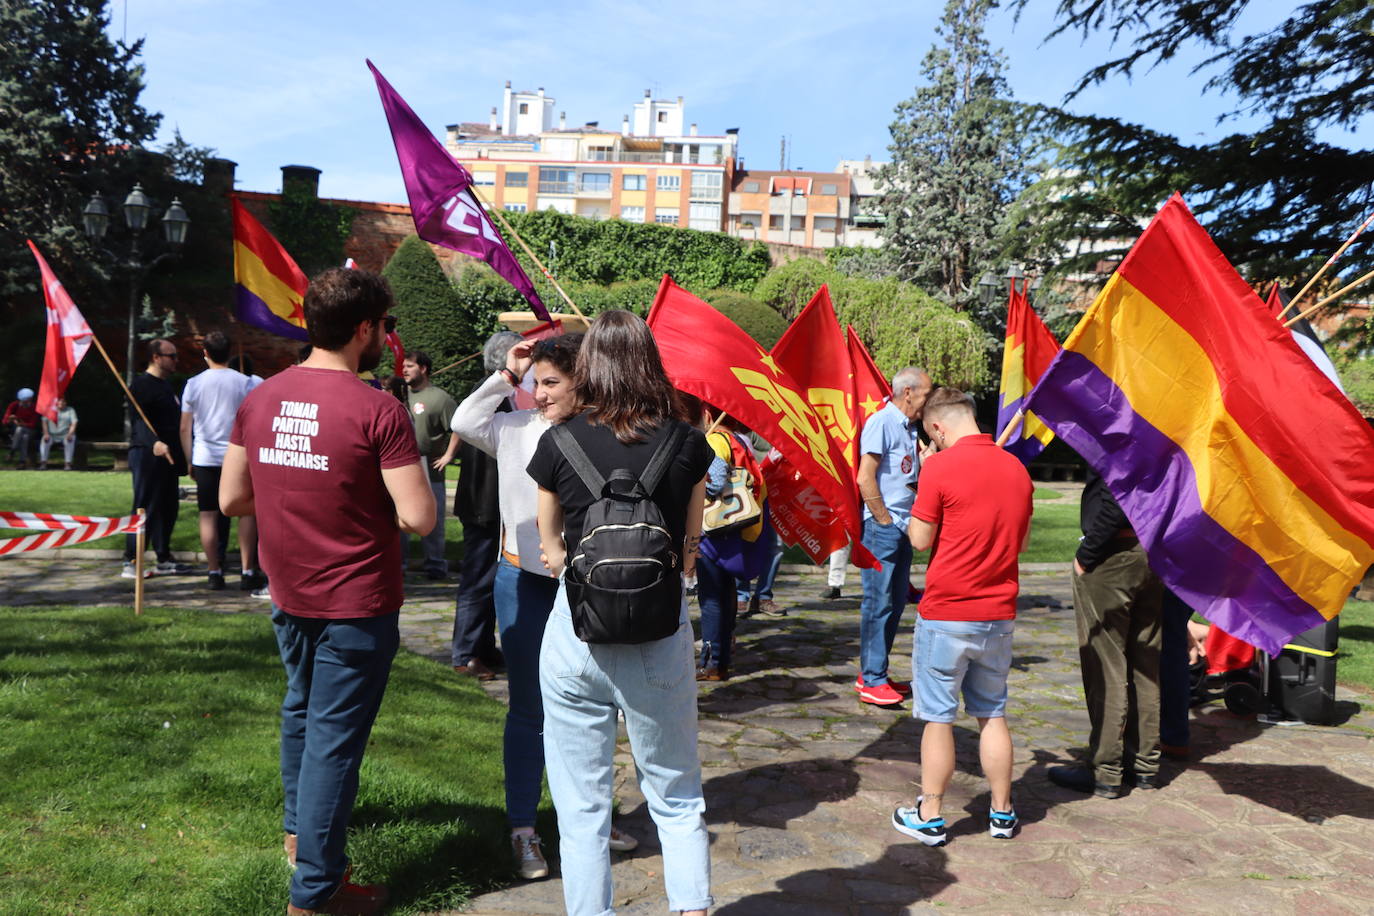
(889, 436)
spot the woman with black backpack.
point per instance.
(621, 492)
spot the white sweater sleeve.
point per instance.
(474, 419)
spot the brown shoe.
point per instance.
(713, 674)
(770, 608)
(349, 900)
(476, 668)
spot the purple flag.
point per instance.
(441, 199)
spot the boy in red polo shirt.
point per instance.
(973, 506)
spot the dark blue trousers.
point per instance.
(1175, 684)
(716, 598)
(474, 618)
(336, 673)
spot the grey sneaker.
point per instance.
(265, 593)
(172, 568)
(529, 860)
(131, 572)
(622, 841)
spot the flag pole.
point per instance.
(1331, 260)
(468, 358)
(533, 257)
(127, 393)
(1331, 298)
(1012, 426)
(141, 544)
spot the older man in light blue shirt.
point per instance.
(888, 466)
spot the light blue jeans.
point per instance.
(885, 591)
(654, 685)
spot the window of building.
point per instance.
(666, 215)
(775, 221)
(515, 208)
(632, 214)
(798, 223)
(517, 179)
(692, 153)
(600, 153)
(555, 181)
(706, 185)
(663, 117)
(633, 183)
(752, 220)
(595, 181)
(829, 189)
(484, 178)
(524, 107)
(824, 224)
(751, 187)
(704, 216)
(669, 183)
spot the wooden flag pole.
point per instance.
(141, 542)
(1012, 427)
(533, 257)
(1331, 298)
(1331, 260)
(127, 393)
(714, 423)
(468, 358)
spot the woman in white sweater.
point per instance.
(524, 589)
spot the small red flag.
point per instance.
(69, 337)
(707, 355)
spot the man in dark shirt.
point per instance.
(155, 457)
(1117, 604)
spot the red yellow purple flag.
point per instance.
(1029, 350)
(1244, 471)
(269, 288)
(708, 355)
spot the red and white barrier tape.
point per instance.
(71, 529)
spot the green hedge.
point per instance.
(434, 315)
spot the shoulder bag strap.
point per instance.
(577, 457)
(658, 464)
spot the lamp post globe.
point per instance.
(96, 217)
(175, 223)
(136, 209)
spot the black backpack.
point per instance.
(624, 579)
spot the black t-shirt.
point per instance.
(552, 471)
(159, 401)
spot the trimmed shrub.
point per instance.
(756, 319)
(435, 316)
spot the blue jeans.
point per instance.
(1175, 684)
(474, 617)
(885, 591)
(523, 602)
(431, 544)
(971, 657)
(336, 673)
(716, 597)
(764, 591)
(653, 685)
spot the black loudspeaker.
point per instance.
(1302, 678)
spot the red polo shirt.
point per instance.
(979, 497)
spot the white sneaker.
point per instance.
(529, 861)
(264, 593)
(622, 841)
(131, 572)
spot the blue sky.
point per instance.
(273, 83)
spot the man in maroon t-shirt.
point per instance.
(973, 507)
(330, 468)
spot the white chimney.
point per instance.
(694, 130)
(625, 126)
(562, 120)
(492, 123)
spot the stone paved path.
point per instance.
(801, 780)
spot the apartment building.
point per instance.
(650, 169)
(810, 209)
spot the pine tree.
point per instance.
(959, 156)
(430, 315)
(70, 121)
(1276, 199)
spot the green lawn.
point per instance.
(140, 761)
(1355, 658)
(111, 493)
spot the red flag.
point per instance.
(707, 355)
(871, 388)
(69, 337)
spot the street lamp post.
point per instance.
(137, 208)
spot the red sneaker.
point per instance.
(349, 900)
(881, 695)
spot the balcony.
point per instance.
(557, 187)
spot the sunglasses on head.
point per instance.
(388, 322)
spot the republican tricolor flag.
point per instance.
(1245, 473)
(269, 288)
(69, 337)
(1030, 349)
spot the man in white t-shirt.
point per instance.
(208, 406)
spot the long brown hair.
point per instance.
(620, 378)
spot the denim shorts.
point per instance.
(972, 656)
